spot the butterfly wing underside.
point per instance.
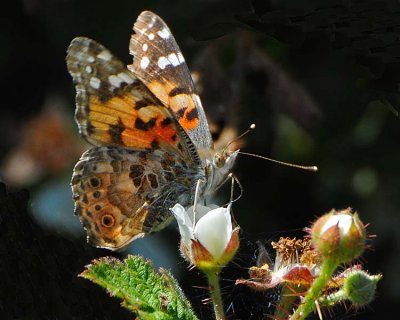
(159, 63)
(119, 186)
(121, 194)
(113, 107)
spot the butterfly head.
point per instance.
(224, 159)
(218, 168)
(222, 162)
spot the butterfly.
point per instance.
(152, 147)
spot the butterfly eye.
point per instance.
(107, 221)
(219, 160)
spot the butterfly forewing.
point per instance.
(113, 107)
(159, 63)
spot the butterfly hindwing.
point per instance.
(121, 194)
(159, 63)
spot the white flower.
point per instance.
(208, 237)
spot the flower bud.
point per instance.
(339, 235)
(359, 287)
(208, 239)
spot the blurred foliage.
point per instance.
(319, 78)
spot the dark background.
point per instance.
(319, 78)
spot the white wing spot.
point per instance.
(126, 78)
(163, 62)
(151, 36)
(144, 62)
(181, 58)
(173, 59)
(91, 59)
(145, 47)
(95, 82)
(115, 81)
(164, 33)
(153, 21)
(104, 55)
(151, 24)
(88, 69)
(77, 77)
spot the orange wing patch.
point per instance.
(181, 102)
(125, 121)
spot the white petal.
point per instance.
(214, 231)
(185, 224)
(343, 221)
(227, 214)
(200, 211)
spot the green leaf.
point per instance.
(150, 295)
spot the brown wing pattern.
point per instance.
(121, 195)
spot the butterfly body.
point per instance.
(150, 135)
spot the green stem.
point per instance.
(314, 293)
(332, 299)
(215, 293)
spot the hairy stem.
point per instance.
(333, 298)
(314, 293)
(215, 294)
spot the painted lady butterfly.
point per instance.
(151, 139)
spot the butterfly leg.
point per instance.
(196, 199)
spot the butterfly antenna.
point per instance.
(252, 127)
(308, 168)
